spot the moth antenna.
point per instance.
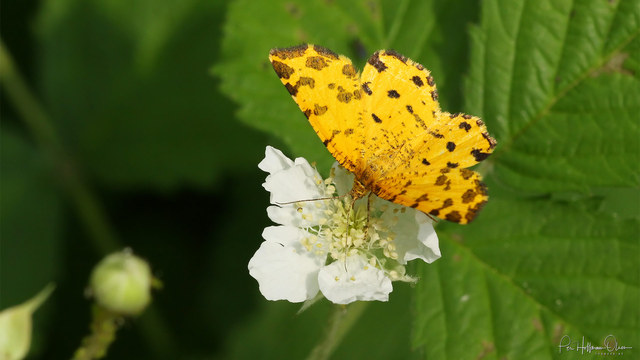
(308, 200)
(435, 220)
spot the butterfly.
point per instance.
(385, 126)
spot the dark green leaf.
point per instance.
(547, 79)
(128, 84)
(555, 82)
(530, 272)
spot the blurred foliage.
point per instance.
(164, 108)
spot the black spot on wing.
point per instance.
(393, 94)
(464, 125)
(466, 173)
(366, 88)
(290, 52)
(375, 61)
(492, 141)
(430, 80)
(349, 70)
(479, 155)
(283, 70)
(343, 95)
(376, 118)
(319, 110)
(451, 146)
(303, 81)
(468, 196)
(472, 212)
(316, 62)
(306, 81)
(293, 90)
(396, 55)
(419, 121)
(325, 52)
(416, 80)
(454, 216)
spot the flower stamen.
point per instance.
(352, 248)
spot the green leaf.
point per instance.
(555, 82)
(544, 78)
(555, 250)
(276, 332)
(530, 272)
(128, 85)
(428, 31)
(30, 214)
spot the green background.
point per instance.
(161, 111)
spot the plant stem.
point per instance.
(340, 322)
(103, 332)
(42, 129)
(86, 203)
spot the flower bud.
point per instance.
(15, 326)
(121, 283)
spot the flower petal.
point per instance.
(284, 215)
(343, 282)
(288, 180)
(342, 179)
(283, 268)
(299, 182)
(420, 244)
(289, 265)
(293, 181)
(274, 161)
(305, 215)
(284, 235)
(429, 248)
(415, 235)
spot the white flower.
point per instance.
(323, 243)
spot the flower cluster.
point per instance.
(326, 242)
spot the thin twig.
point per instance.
(88, 208)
